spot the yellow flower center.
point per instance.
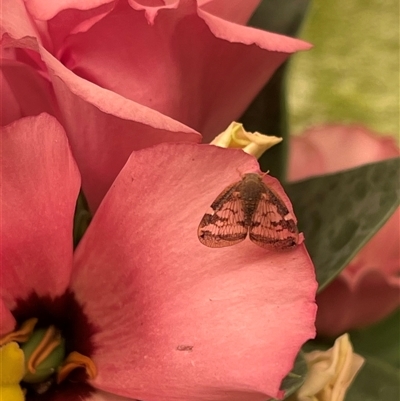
(50, 341)
(41, 356)
(12, 369)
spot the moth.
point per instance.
(248, 206)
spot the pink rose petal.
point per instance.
(103, 133)
(209, 82)
(73, 21)
(103, 126)
(40, 185)
(12, 110)
(112, 104)
(358, 303)
(387, 238)
(178, 320)
(45, 10)
(302, 150)
(7, 321)
(338, 147)
(152, 7)
(24, 92)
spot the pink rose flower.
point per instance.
(162, 316)
(125, 75)
(367, 290)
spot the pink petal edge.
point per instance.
(45, 10)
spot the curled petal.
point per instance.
(253, 143)
(330, 372)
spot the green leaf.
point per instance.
(267, 113)
(339, 213)
(381, 341)
(296, 377)
(376, 381)
(284, 17)
(82, 218)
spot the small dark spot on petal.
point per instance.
(188, 348)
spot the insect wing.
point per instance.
(272, 225)
(224, 225)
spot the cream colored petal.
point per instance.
(321, 371)
(330, 372)
(348, 365)
(235, 136)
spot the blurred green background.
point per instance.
(352, 76)
(352, 73)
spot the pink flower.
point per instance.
(122, 76)
(368, 289)
(162, 316)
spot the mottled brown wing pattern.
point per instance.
(224, 224)
(246, 206)
(272, 225)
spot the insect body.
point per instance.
(248, 206)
